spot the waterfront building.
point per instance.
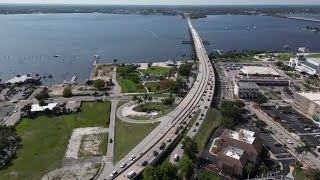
(306, 65)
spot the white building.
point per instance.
(302, 64)
(19, 79)
(246, 90)
(38, 108)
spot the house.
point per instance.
(38, 108)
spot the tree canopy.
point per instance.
(67, 92)
(190, 148)
(9, 143)
(165, 171)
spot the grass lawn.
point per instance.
(156, 70)
(45, 140)
(154, 85)
(128, 86)
(152, 106)
(209, 124)
(300, 176)
(316, 55)
(285, 56)
(128, 135)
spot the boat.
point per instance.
(56, 56)
(286, 46)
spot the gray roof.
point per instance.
(317, 68)
(247, 85)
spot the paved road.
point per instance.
(108, 159)
(14, 117)
(144, 150)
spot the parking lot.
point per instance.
(297, 123)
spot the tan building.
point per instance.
(308, 104)
(234, 149)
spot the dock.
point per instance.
(73, 79)
(95, 59)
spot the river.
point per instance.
(30, 42)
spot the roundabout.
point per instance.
(149, 112)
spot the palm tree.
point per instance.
(249, 168)
(134, 98)
(297, 168)
(276, 167)
(139, 100)
(115, 61)
(263, 168)
(306, 148)
(37, 75)
(145, 98)
(298, 150)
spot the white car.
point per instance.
(123, 165)
(114, 173)
(132, 158)
(289, 141)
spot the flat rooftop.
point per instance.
(312, 96)
(259, 70)
(38, 108)
(243, 135)
(248, 85)
(234, 152)
(18, 79)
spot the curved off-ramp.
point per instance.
(122, 117)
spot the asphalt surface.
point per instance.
(166, 130)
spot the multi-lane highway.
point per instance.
(165, 132)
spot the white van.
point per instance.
(131, 174)
(176, 157)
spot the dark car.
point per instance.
(144, 163)
(197, 124)
(110, 140)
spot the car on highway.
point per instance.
(15, 111)
(206, 107)
(132, 158)
(131, 174)
(197, 124)
(289, 141)
(114, 173)
(123, 165)
(202, 115)
(194, 130)
(144, 163)
(169, 140)
(110, 140)
(155, 153)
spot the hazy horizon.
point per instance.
(164, 2)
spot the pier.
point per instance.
(95, 59)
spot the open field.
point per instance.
(210, 123)
(93, 145)
(286, 56)
(128, 86)
(45, 140)
(316, 55)
(154, 86)
(157, 70)
(128, 135)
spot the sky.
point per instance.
(168, 2)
